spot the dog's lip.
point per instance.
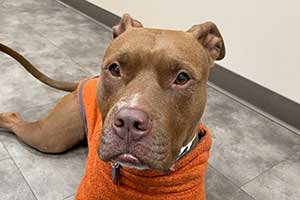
(128, 158)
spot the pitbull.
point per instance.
(141, 116)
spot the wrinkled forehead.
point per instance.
(155, 45)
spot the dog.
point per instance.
(141, 116)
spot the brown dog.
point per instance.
(151, 94)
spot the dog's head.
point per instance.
(152, 91)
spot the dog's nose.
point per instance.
(132, 123)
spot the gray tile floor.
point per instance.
(252, 157)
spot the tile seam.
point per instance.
(22, 175)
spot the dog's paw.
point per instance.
(9, 119)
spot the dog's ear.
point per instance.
(210, 37)
(126, 23)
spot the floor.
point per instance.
(252, 157)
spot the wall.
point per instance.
(262, 38)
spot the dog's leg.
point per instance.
(59, 131)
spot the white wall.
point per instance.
(262, 37)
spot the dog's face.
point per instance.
(152, 93)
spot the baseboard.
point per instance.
(99, 14)
(260, 97)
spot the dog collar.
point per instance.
(187, 148)
(115, 170)
(183, 151)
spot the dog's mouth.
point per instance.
(129, 160)
(132, 147)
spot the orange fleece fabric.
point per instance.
(185, 183)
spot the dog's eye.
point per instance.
(182, 78)
(114, 69)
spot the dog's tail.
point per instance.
(61, 85)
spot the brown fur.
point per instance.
(150, 60)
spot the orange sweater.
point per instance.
(185, 183)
